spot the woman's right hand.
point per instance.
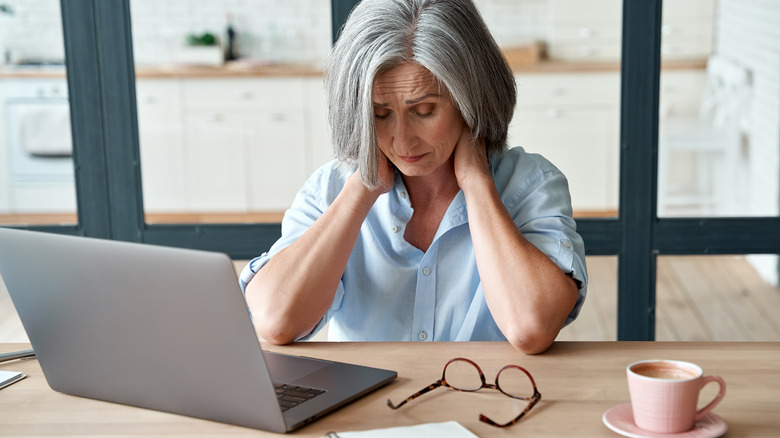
(385, 183)
(386, 174)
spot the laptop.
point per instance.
(163, 328)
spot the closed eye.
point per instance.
(424, 110)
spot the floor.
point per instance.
(698, 298)
(703, 298)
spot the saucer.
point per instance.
(621, 420)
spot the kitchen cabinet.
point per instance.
(590, 30)
(215, 160)
(318, 138)
(239, 144)
(161, 139)
(216, 144)
(572, 119)
(245, 143)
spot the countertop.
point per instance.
(245, 69)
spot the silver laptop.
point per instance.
(165, 329)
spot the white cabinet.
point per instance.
(276, 159)
(572, 119)
(245, 143)
(687, 29)
(161, 145)
(590, 30)
(319, 146)
(215, 160)
(206, 145)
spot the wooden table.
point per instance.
(579, 381)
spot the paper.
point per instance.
(9, 377)
(450, 429)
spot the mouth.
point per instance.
(411, 158)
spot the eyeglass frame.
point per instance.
(533, 399)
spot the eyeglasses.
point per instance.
(462, 374)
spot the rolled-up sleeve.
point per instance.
(537, 197)
(309, 204)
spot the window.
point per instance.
(103, 98)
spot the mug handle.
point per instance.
(706, 410)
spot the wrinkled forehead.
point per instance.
(405, 80)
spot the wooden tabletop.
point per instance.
(579, 381)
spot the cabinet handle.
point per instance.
(558, 91)
(553, 113)
(246, 95)
(667, 29)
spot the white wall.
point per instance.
(34, 30)
(282, 30)
(748, 32)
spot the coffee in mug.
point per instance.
(665, 393)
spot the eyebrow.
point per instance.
(410, 101)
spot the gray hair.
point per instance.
(447, 37)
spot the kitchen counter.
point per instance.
(232, 69)
(241, 69)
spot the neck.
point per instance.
(439, 186)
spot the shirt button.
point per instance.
(395, 229)
(403, 195)
(566, 244)
(422, 336)
(426, 271)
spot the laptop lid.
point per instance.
(160, 328)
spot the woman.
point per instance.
(425, 227)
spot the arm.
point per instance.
(285, 303)
(528, 295)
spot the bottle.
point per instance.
(230, 47)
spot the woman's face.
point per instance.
(417, 122)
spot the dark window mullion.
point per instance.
(117, 79)
(640, 71)
(757, 235)
(86, 110)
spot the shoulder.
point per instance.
(326, 182)
(517, 169)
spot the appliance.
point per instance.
(38, 136)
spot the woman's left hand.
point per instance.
(470, 158)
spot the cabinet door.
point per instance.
(276, 158)
(215, 162)
(162, 148)
(583, 144)
(319, 147)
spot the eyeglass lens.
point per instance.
(466, 376)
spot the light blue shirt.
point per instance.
(392, 291)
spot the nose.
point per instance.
(403, 136)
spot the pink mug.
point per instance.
(665, 393)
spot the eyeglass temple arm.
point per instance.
(534, 399)
(428, 388)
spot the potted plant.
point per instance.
(200, 49)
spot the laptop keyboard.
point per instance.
(290, 396)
